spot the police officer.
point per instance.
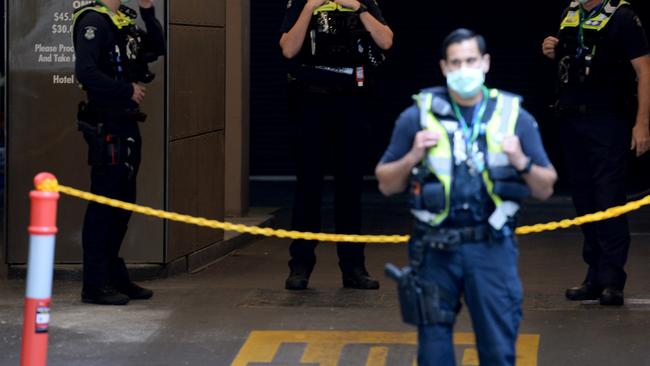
(601, 44)
(111, 61)
(470, 154)
(333, 47)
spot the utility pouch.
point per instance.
(427, 192)
(511, 191)
(105, 150)
(419, 299)
(508, 184)
(96, 149)
(504, 173)
(114, 153)
(433, 195)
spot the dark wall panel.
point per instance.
(198, 12)
(196, 182)
(196, 168)
(198, 84)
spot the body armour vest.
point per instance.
(433, 181)
(124, 60)
(336, 37)
(584, 57)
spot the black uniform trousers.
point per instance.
(596, 145)
(104, 227)
(328, 124)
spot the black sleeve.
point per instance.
(294, 8)
(154, 40)
(374, 10)
(92, 35)
(631, 34)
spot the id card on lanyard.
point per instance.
(474, 158)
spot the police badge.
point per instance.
(90, 33)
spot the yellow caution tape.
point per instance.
(51, 185)
(610, 213)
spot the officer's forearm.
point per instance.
(155, 38)
(93, 79)
(393, 177)
(381, 33)
(642, 67)
(541, 180)
(291, 42)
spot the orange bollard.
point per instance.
(40, 270)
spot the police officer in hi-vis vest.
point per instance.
(333, 47)
(111, 61)
(604, 109)
(469, 155)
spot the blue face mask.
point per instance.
(124, 1)
(583, 1)
(466, 82)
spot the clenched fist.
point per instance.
(548, 47)
(512, 148)
(423, 140)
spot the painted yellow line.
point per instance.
(324, 348)
(377, 356)
(470, 357)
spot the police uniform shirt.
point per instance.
(623, 39)
(408, 125)
(95, 38)
(310, 75)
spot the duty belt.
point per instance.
(338, 70)
(446, 238)
(92, 114)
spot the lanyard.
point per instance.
(584, 17)
(470, 135)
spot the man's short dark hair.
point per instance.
(460, 35)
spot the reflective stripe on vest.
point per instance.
(118, 18)
(332, 6)
(440, 161)
(597, 22)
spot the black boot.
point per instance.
(107, 295)
(360, 279)
(297, 280)
(298, 277)
(587, 291)
(135, 292)
(611, 296)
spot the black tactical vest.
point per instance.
(339, 39)
(124, 60)
(597, 64)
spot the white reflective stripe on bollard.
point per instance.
(40, 266)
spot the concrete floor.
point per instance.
(236, 312)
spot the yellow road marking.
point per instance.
(324, 348)
(377, 356)
(470, 357)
